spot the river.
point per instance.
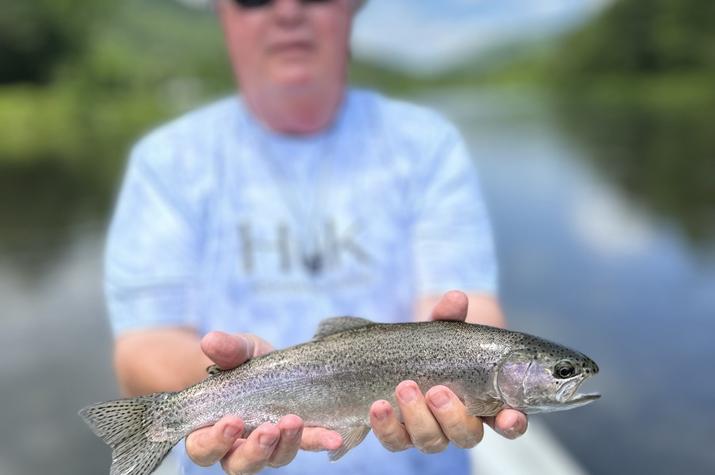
(589, 256)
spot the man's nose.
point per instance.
(288, 11)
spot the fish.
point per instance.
(332, 380)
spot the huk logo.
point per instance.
(284, 249)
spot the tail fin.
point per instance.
(123, 425)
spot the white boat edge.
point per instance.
(537, 452)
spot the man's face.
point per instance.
(288, 43)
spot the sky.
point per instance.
(430, 35)
(433, 35)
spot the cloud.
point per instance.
(436, 34)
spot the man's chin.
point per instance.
(296, 78)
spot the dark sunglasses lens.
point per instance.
(252, 3)
(263, 3)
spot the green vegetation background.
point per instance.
(80, 80)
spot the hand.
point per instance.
(432, 420)
(270, 445)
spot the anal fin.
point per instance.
(352, 436)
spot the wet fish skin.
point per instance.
(332, 380)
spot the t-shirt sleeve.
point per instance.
(452, 234)
(151, 250)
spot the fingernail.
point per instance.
(440, 399)
(267, 440)
(230, 432)
(408, 394)
(382, 414)
(243, 341)
(513, 432)
(290, 433)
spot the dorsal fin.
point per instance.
(214, 369)
(331, 326)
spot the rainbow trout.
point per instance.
(332, 380)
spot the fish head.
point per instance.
(544, 378)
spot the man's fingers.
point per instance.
(252, 454)
(208, 445)
(316, 439)
(452, 306)
(257, 346)
(458, 425)
(508, 423)
(229, 351)
(291, 428)
(423, 428)
(388, 429)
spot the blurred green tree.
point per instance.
(37, 35)
(640, 97)
(645, 37)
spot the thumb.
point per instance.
(229, 351)
(452, 306)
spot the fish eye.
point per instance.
(564, 369)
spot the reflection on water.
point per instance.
(592, 250)
(662, 160)
(54, 342)
(587, 265)
(44, 207)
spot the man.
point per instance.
(297, 201)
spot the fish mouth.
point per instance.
(568, 396)
(582, 399)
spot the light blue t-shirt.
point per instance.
(223, 224)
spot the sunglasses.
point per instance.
(265, 3)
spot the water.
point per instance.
(587, 262)
(588, 258)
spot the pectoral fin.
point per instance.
(352, 436)
(479, 407)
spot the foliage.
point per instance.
(659, 155)
(635, 86)
(145, 62)
(642, 37)
(148, 60)
(36, 36)
(80, 80)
